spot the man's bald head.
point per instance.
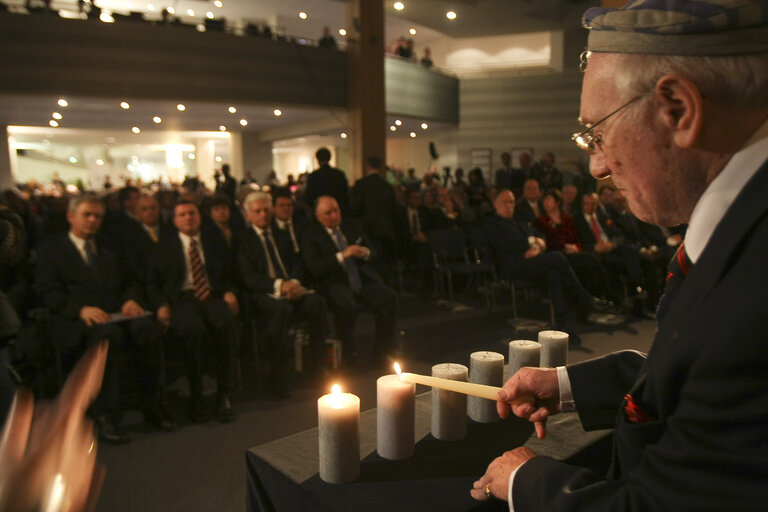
(505, 204)
(327, 212)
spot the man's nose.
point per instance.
(598, 167)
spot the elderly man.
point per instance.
(675, 106)
(338, 257)
(271, 276)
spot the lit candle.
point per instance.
(339, 429)
(395, 417)
(449, 409)
(523, 353)
(554, 348)
(485, 368)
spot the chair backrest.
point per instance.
(449, 244)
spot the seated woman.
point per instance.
(559, 231)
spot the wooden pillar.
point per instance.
(366, 115)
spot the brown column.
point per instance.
(365, 51)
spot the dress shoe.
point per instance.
(224, 410)
(111, 433)
(598, 305)
(160, 420)
(197, 411)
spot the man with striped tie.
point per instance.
(190, 285)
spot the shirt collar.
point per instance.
(720, 194)
(79, 242)
(186, 240)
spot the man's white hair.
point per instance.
(256, 196)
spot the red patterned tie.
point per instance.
(199, 281)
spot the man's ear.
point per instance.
(681, 108)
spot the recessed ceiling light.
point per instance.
(222, 128)
(303, 15)
(136, 130)
(413, 134)
(209, 15)
(277, 112)
(157, 119)
(398, 122)
(343, 135)
(399, 6)
(63, 102)
(219, 159)
(412, 31)
(232, 110)
(191, 12)
(53, 124)
(342, 31)
(106, 17)
(451, 15)
(393, 128)
(218, 3)
(72, 160)
(125, 105)
(243, 122)
(171, 10)
(191, 156)
(56, 116)
(99, 162)
(180, 107)
(424, 126)
(151, 7)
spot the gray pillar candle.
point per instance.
(449, 409)
(522, 353)
(485, 368)
(338, 417)
(395, 417)
(554, 348)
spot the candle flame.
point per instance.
(336, 390)
(397, 369)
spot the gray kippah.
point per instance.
(680, 27)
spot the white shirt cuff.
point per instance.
(566, 394)
(340, 258)
(278, 284)
(509, 488)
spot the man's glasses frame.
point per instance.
(587, 139)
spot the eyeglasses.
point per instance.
(587, 139)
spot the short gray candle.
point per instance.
(522, 353)
(339, 435)
(395, 417)
(449, 409)
(485, 368)
(554, 348)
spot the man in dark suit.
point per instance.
(189, 283)
(271, 276)
(338, 258)
(414, 221)
(690, 417)
(287, 218)
(124, 218)
(326, 181)
(503, 177)
(83, 284)
(530, 208)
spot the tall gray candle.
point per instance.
(554, 348)
(338, 417)
(395, 417)
(522, 353)
(485, 368)
(449, 409)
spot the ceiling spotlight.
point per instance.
(191, 12)
(125, 105)
(424, 126)
(303, 15)
(180, 107)
(232, 110)
(151, 7)
(53, 124)
(393, 128)
(342, 31)
(209, 15)
(219, 159)
(277, 112)
(218, 3)
(451, 15)
(171, 10)
(412, 134)
(191, 156)
(136, 130)
(398, 122)
(63, 103)
(157, 119)
(343, 135)
(243, 122)
(222, 128)
(106, 17)
(412, 31)
(399, 6)
(99, 162)
(72, 160)
(56, 116)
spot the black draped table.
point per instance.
(282, 475)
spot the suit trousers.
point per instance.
(196, 322)
(553, 268)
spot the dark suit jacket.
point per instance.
(327, 181)
(703, 385)
(167, 267)
(373, 201)
(252, 264)
(508, 240)
(319, 253)
(524, 212)
(584, 230)
(136, 247)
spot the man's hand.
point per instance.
(603, 246)
(497, 474)
(291, 289)
(419, 237)
(164, 315)
(532, 252)
(354, 251)
(540, 243)
(93, 315)
(531, 393)
(231, 300)
(571, 248)
(132, 308)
